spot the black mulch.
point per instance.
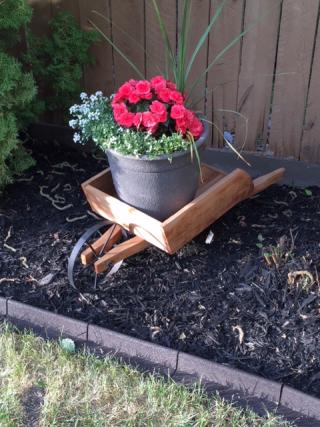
(224, 301)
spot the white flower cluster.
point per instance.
(86, 113)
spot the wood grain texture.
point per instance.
(203, 211)
(310, 145)
(155, 58)
(217, 194)
(100, 75)
(199, 21)
(129, 15)
(122, 251)
(105, 242)
(110, 207)
(256, 72)
(223, 76)
(263, 182)
(297, 32)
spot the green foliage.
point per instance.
(94, 119)
(57, 61)
(17, 89)
(14, 14)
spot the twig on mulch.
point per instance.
(76, 218)
(55, 200)
(68, 165)
(25, 179)
(240, 331)
(5, 245)
(292, 275)
(6, 279)
(23, 260)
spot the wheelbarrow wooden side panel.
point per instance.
(204, 210)
(101, 196)
(217, 193)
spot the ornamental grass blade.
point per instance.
(227, 142)
(117, 49)
(128, 35)
(114, 24)
(170, 57)
(183, 44)
(204, 36)
(227, 48)
(194, 149)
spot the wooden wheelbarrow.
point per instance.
(217, 193)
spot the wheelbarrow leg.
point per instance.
(103, 244)
(120, 252)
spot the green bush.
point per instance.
(14, 14)
(17, 89)
(57, 62)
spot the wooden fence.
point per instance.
(271, 77)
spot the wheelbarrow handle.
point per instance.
(264, 181)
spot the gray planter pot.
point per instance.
(156, 186)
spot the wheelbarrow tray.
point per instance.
(217, 193)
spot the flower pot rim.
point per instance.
(200, 141)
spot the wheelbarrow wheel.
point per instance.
(90, 247)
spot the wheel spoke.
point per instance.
(82, 273)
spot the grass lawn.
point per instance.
(43, 385)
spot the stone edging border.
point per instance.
(245, 388)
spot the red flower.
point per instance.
(134, 98)
(149, 120)
(158, 82)
(125, 90)
(143, 89)
(137, 121)
(196, 127)
(118, 110)
(159, 110)
(165, 102)
(176, 97)
(189, 117)
(171, 85)
(181, 126)
(164, 95)
(126, 119)
(177, 111)
(153, 129)
(117, 98)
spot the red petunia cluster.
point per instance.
(153, 106)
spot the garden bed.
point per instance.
(224, 301)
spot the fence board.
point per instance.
(66, 5)
(155, 59)
(294, 54)
(129, 15)
(223, 77)
(241, 80)
(256, 72)
(100, 76)
(310, 146)
(42, 14)
(200, 18)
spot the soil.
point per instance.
(250, 298)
